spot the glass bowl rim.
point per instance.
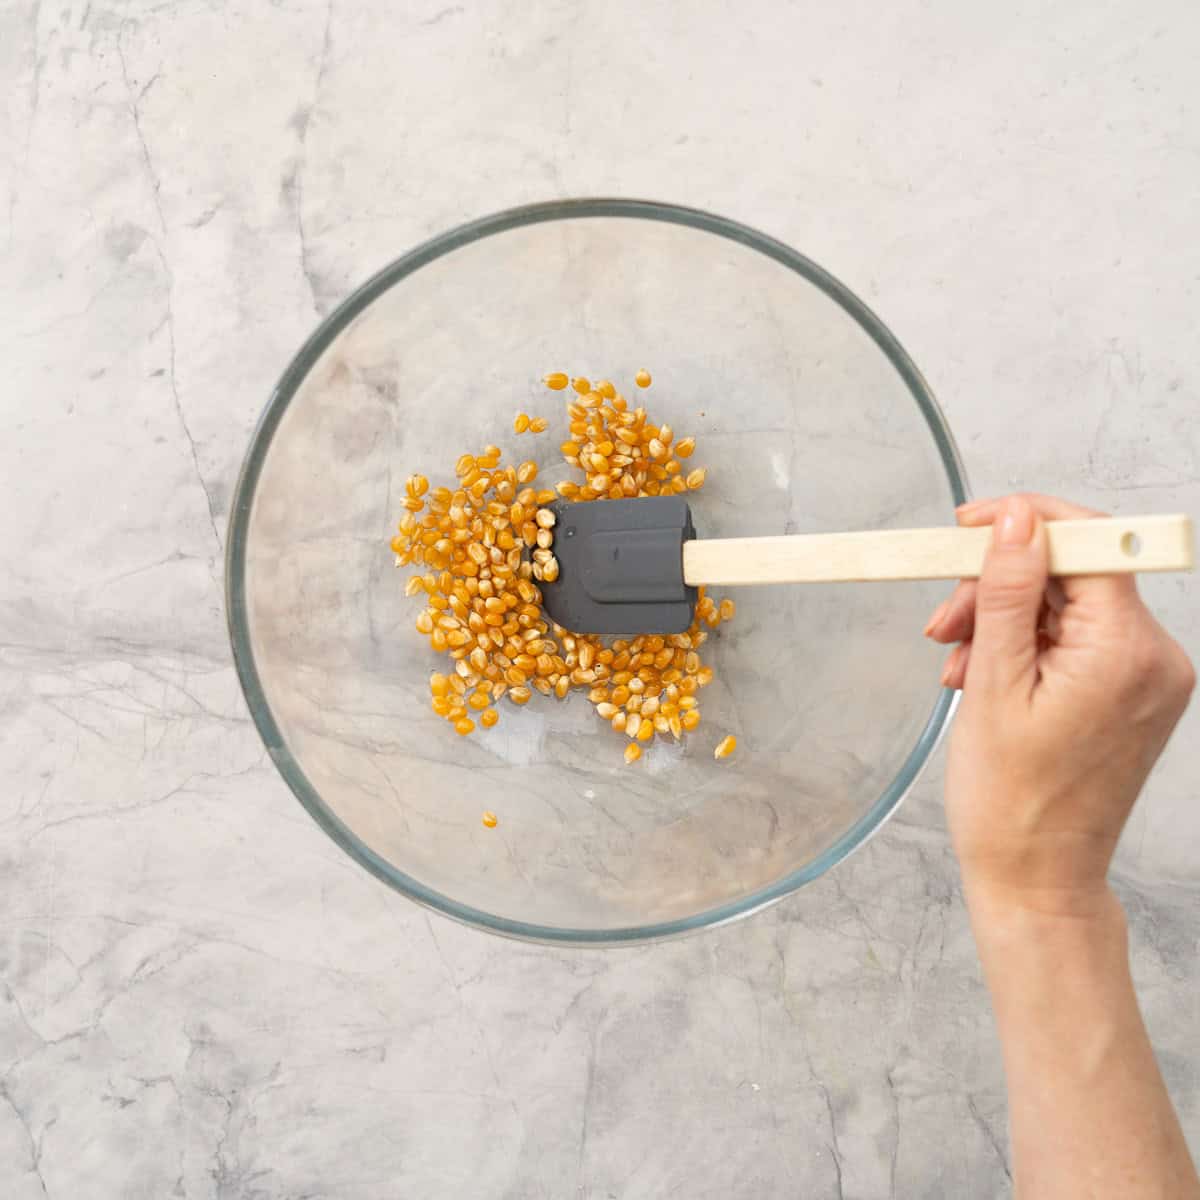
(243, 497)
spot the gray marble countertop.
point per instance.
(200, 996)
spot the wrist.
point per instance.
(1082, 925)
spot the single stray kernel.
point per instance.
(520, 422)
(490, 819)
(555, 381)
(642, 379)
(488, 718)
(538, 425)
(633, 752)
(725, 747)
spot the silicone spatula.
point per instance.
(633, 566)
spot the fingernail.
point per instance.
(936, 619)
(1016, 525)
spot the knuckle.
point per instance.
(1004, 588)
(1156, 665)
(1143, 662)
(1183, 674)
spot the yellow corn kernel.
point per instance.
(690, 719)
(642, 379)
(463, 726)
(696, 478)
(645, 730)
(520, 422)
(519, 694)
(538, 425)
(581, 385)
(527, 472)
(684, 447)
(488, 717)
(727, 609)
(633, 752)
(489, 818)
(555, 381)
(725, 747)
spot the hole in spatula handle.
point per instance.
(1131, 544)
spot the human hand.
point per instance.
(1071, 689)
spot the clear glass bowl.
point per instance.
(809, 416)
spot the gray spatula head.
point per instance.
(621, 566)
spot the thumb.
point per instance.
(1009, 601)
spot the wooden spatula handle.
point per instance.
(1100, 546)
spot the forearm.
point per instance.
(1090, 1115)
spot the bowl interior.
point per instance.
(807, 418)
